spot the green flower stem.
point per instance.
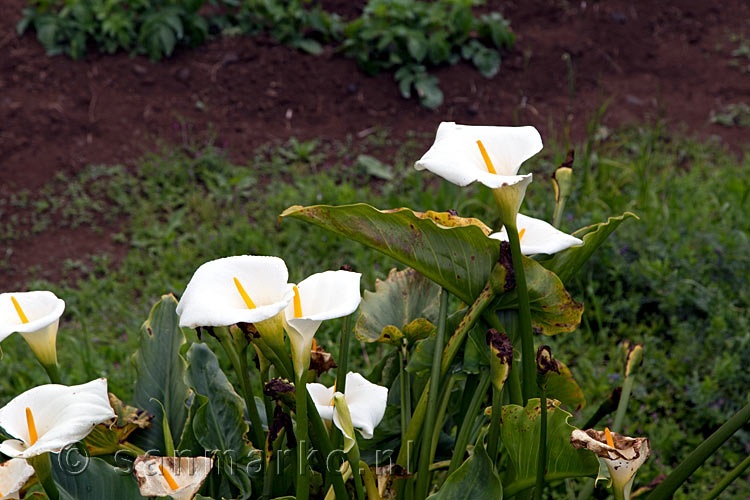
(727, 480)
(53, 372)
(323, 442)
(405, 386)
(423, 472)
(346, 333)
(678, 476)
(541, 465)
(303, 481)
(343, 367)
(445, 399)
(459, 450)
(528, 361)
(371, 486)
(559, 210)
(449, 353)
(227, 342)
(354, 465)
(494, 434)
(43, 468)
(622, 406)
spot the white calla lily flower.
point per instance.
(538, 236)
(322, 296)
(13, 475)
(623, 455)
(213, 297)
(463, 154)
(176, 477)
(49, 417)
(365, 404)
(36, 316)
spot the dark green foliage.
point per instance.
(404, 36)
(409, 36)
(151, 27)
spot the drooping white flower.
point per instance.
(623, 455)
(36, 316)
(177, 477)
(322, 296)
(13, 475)
(463, 154)
(242, 288)
(365, 402)
(538, 236)
(50, 417)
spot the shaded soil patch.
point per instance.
(670, 59)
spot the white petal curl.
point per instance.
(62, 415)
(539, 237)
(212, 299)
(42, 309)
(456, 157)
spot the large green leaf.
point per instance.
(563, 387)
(474, 480)
(218, 421)
(553, 310)
(405, 304)
(567, 263)
(160, 373)
(453, 252)
(81, 478)
(520, 436)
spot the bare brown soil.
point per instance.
(646, 59)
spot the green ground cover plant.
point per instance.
(408, 37)
(675, 281)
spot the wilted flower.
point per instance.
(364, 409)
(36, 316)
(13, 475)
(322, 296)
(176, 477)
(501, 357)
(538, 236)
(623, 455)
(50, 417)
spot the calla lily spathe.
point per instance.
(36, 316)
(49, 417)
(365, 402)
(322, 296)
(538, 236)
(13, 475)
(213, 297)
(179, 478)
(463, 154)
(456, 156)
(623, 459)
